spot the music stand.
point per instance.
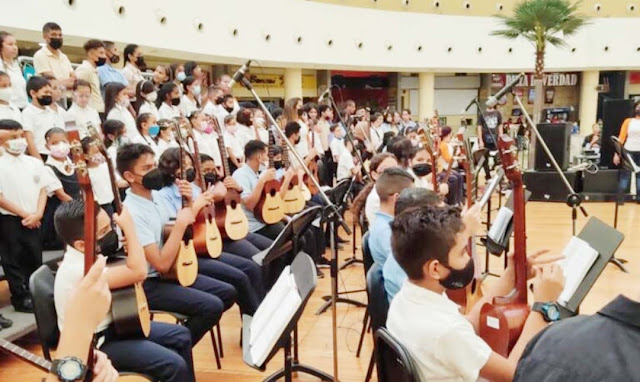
(626, 163)
(304, 272)
(498, 248)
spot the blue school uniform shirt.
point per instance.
(172, 200)
(380, 238)
(248, 180)
(394, 276)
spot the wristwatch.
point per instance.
(68, 369)
(549, 310)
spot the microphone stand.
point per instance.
(334, 219)
(573, 199)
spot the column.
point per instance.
(426, 91)
(588, 100)
(292, 83)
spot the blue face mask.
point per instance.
(181, 76)
(154, 131)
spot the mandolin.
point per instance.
(207, 240)
(501, 321)
(293, 198)
(185, 267)
(428, 145)
(310, 188)
(230, 217)
(129, 307)
(270, 207)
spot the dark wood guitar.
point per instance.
(425, 137)
(293, 198)
(501, 321)
(185, 266)
(129, 307)
(270, 207)
(230, 217)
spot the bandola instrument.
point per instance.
(293, 199)
(270, 207)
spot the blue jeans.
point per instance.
(625, 176)
(164, 355)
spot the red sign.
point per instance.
(550, 79)
(498, 80)
(634, 78)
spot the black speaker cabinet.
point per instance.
(547, 186)
(614, 112)
(557, 137)
(602, 182)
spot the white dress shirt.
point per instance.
(345, 165)
(132, 73)
(187, 106)
(149, 107)
(232, 142)
(19, 96)
(22, 190)
(38, 122)
(208, 144)
(83, 116)
(101, 183)
(10, 112)
(168, 112)
(303, 146)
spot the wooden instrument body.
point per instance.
(270, 207)
(310, 186)
(293, 199)
(230, 217)
(501, 322)
(425, 137)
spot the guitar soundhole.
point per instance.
(272, 192)
(233, 204)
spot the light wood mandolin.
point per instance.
(270, 207)
(294, 201)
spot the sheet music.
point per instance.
(579, 258)
(499, 227)
(270, 303)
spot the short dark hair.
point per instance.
(129, 154)
(92, 44)
(228, 118)
(322, 108)
(36, 83)
(276, 150)
(416, 197)
(244, 116)
(128, 51)
(291, 128)
(108, 44)
(277, 112)
(86, 143)
(333, 127)
(189, 66)
(252, 147)
(80, 83)
(69, 220)
(307, 107)
(392, 181)
(422, 234)
(226, 97)
(402, 148)
(54, 130)
(169, 163)
(165, 89)
(205, 158)
(51, 26)
(142, 118)
(445, 131)
(10, 124)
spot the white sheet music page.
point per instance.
(579, 258)
(270, 303)
(499, 226)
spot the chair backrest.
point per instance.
(367, 259)
(41, 286)
(362, 220)
(378, 305)
(340, 191)
(393, 361)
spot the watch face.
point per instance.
(553, 313)
(70, 370)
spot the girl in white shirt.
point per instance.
(9, 65)
(246, 131)
(117, 107)
(146, 97)
(260, 124)
(115, 136)
(231, 142)
(148, 130)
(166, 139)
(80, 112)
(7, 110)
(293, 111)
(206, 137)
(99, 175)
(189, 100)
(168, 101)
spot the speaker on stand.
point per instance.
(558, 137)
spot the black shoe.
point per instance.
(343, 241)
(5, 322)
(24, 306)
(319, 274)
(323, 262)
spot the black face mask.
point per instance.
(458, 278)
(55, 43)
(175, 101)
(114, 59)
(45, 100)
(210, 178)
(109, 243)
(228, 109)
(153, 180)
(140, 62)
(278, 164)
(101, 61)
(190, 174)
(422, 169)
(219, 100)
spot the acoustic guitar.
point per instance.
(293, 198)
(230, 217)
(310, 188)
(501, 321)
(270, 207)
(207, 240)
(129, 307)
(185, 266)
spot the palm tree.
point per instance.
(541, 22)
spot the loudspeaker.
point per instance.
(614, 112)
(557, 137)
(547, 186)
(602, 182)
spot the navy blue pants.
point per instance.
(164, 355)
(199, 302)
(625, 177)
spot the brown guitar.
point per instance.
(293, 198)
(185, 266)
(270, 207)
(230, 217)
(310, 186)
(501, 321)
(425, 137)
(207, 240)
(129, 307)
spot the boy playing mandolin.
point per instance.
(430, 244)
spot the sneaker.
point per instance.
(24, 306)
(323, 263)
(5, 322)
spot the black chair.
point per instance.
(378, 306)
(393, 361)
(368, 262)
(41, 286)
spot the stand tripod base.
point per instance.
(299, 368)
(620, 264)
(329, 301)
(350, 261)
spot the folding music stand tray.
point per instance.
(304, 271)
(604, 239)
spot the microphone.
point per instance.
(324, 94)
(239, 74)
(473, 101)
(493, 100)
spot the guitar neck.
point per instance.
(223, 153)
(24, 355)
(520, 241)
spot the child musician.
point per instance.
(99, 175)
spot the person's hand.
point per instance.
(124, 220)
(185, 217)
(472, 220)
(185, 188)
(231, 183)
(122, 183)
(357, 169)
(548, 283)
(203, 200)
(90, 301)
(219, 191)
(32, 221)
(480, 144)
(536, 260)
(268, 175)
(616, 159)
(443, 189)
(313, 153)
(103, 370)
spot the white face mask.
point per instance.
(124, 102)
(5, 94)
(17, 146)
(259, 121)
(196, 90)
(152, 97)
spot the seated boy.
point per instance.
(430, 244)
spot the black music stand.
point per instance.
(626, 163)
(604, 239)
(498, 248)
(304, 271)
